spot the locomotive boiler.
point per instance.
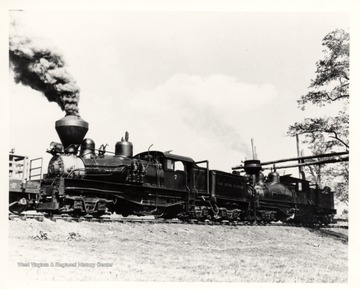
(82, 180)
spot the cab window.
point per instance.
(174, 165)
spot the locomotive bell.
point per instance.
(71, 130)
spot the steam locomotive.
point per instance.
(82, 180)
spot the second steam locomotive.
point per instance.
(82, 180)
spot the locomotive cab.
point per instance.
(177, 170)
(172, 170)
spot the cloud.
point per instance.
(218, 90)
(215, 110)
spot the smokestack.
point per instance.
(71, 130)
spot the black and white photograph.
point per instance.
(180, 142)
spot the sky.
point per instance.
(201, 80)
(199, 83)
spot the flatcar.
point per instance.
(24, 182)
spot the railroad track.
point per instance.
(109, 219)
(118, 219)
(338, 235)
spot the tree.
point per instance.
(325, 134)
(332, 73)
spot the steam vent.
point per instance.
(71, 130)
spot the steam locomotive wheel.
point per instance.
(18, 206)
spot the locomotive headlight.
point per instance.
(67, 165)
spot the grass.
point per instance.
(160, 252)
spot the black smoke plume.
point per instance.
(42, 69)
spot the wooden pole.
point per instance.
(298, 154)
(252, 148)
(295, 159)
(345, 159)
